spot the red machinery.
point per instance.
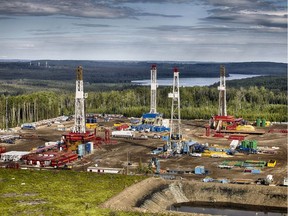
(50, 158)
(225, 122)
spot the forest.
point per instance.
(29, 99)
(196, 103)
(126, 71)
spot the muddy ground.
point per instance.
(136, 151)
(157, 194)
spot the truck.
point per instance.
(28, 126)
(265, 181)
(159, 150)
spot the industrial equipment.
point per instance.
(175, 121)
(79, 135)
(153, 103)
(79, 121)
(271, 163)
(222, 92)
(153, 117)
(155, 164)
(265, 181)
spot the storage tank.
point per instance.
(263, 124)
(258, 122)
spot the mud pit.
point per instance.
(157, 195)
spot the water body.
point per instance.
(189, 82)
(226, 211)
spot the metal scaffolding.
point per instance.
(222, 92)
(175, 122)
(79, 121)
(153, 103)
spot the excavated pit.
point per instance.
(158, 195)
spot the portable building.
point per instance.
(13, 155)
(125, 134)
(105, 170)
(81, 150)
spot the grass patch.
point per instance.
(30, 192)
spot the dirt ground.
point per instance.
(136, 151)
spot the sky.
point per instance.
(144, 30)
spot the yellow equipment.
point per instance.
(117, 124)
(245, 128)
(91, 125)
(271, 163)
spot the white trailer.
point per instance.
(124, 134)
(105, 170)
(13, 155)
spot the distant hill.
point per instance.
(126, 71)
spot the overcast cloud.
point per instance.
(191, 30)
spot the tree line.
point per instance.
(196, 103)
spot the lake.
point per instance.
(189, 82)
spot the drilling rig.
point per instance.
(222, 93)
(153, 89)
(79, 119)
(175, 121)
(79, 134)
(153, 117)
(228, 123)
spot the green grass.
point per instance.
(29, 192)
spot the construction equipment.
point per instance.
(265, 181)
(155, 164)
(271, 163)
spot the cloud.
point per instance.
(271, 14)
(83, 8)
(159, 15)
(91, 25)
(153, 1)
(73, 8)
